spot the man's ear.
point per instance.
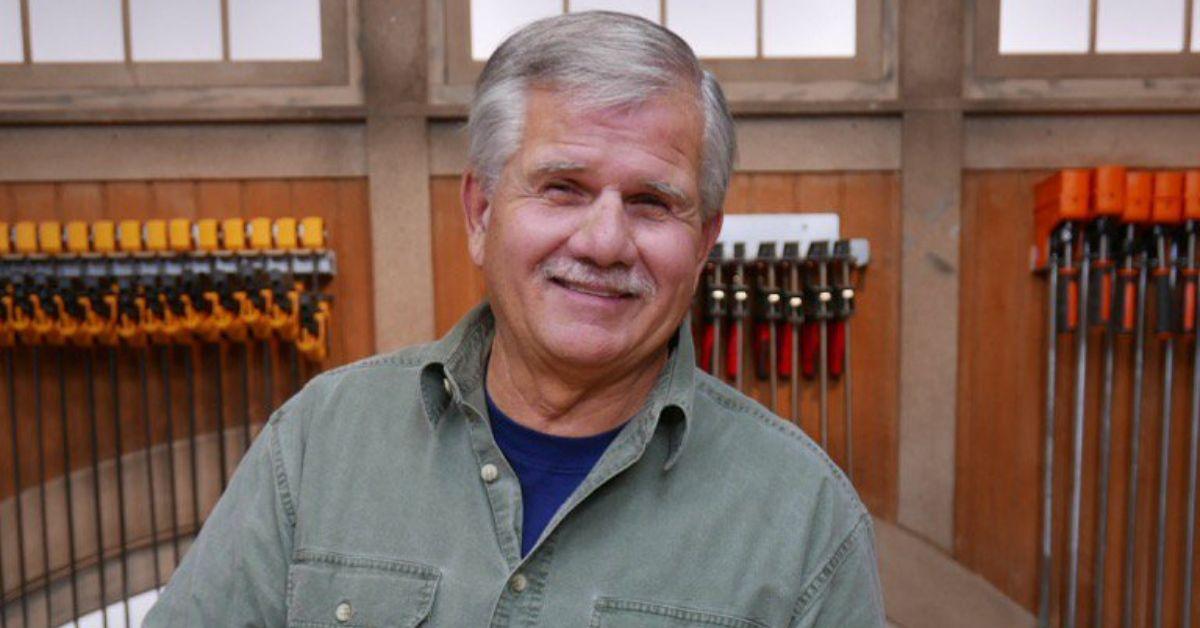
(709, 232)
(477, 210)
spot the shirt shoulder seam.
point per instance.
(282, 486)
(783, 427)
(817, 584)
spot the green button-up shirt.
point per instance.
(377, 497)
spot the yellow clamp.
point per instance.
(233, 234)
(25, 238)
(260, 233)
(312, 233)
(179, 235)
(104, 236)
(205, 234)
(50, 239)
(77, 238)
(5, 239)
(283, 233)
(129, 236)
(316, 346)
(154, 235)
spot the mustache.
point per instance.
(618, 279)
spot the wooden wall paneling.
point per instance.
(868, 203)
(1002, 357)
(458, 284)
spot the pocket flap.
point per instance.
(616, 613)
(333, 589)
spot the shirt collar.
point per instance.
(454, 366)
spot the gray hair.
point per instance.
(602, 59)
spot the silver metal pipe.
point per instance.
(1135, 430)
(1078, 415)
(1045, 559)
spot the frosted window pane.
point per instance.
(492, 21)
(715, 28)
(1195, 26)
(175, 30)
(642, 8)
(272, 30)
(1044, 26)
(1139, 26)
(76, 30)
(809, 28)
(11, 40)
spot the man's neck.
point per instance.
(549, 398)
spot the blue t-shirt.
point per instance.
(548, 467)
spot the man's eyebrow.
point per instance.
(666, 189)
(556, 167)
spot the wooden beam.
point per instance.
(931, 184)
(395, 64)
(160, 151)
(1057, 141)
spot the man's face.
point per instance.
(592, 241)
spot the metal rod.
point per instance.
(823, 353)
(89, 375)
(1107, 277)
(144, 377)
(245, 395)
(164, 371)
(1102, 480)
(847, 366)
(38, 428)
(796, 305)
(268, 399)
(189, 374)
(12, 417)
(1135, 430)
(1045, 559)
(70, 500)
(122, 536)
(1164, 467)
(1185, 620)
(219, 412)
(1193, 451)
(1078, 412)
(1165, 282)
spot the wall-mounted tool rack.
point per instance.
(166, 282)
(774, 306)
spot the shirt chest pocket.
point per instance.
(617, 613)
(327, 589)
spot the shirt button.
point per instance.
(343, 612)
(446, 385)
(489, 473)
(518, 583)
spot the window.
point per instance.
(755, 40)
(1086, 38)
(126, 43)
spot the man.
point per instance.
(557, 459)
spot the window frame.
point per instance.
(331, 69)
(989, 62)
(868, 64)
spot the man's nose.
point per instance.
(605, 237)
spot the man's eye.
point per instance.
(650, 205)
(559, 191)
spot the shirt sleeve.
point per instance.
(235, 573)
(847, 592)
